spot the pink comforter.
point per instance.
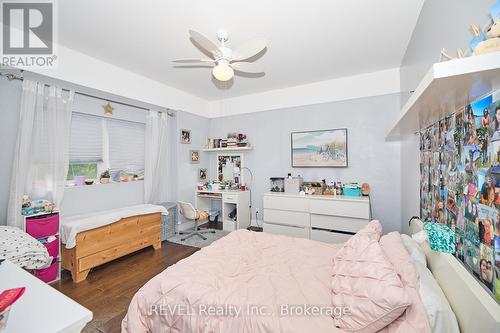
(244, 282)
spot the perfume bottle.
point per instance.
(478, 36)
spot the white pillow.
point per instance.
(441, 316)
(414, 250)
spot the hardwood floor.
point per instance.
(109, 288)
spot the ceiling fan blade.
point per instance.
(204, 42)
(192, 61)
(247, 67)
(249, 49)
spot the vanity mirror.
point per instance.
(226, 164)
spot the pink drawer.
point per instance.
(53, 247)
(44, 226)
(48, 274)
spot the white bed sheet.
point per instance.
(72, 225)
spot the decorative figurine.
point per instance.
(365, 189)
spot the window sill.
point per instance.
(107, 184)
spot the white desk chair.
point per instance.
(189, 212)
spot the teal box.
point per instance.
(352, 192)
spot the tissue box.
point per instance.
(352, 191)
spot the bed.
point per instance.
(93, 239)
(220, 272)
(258, 282)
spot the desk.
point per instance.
(41, 308)
(229, 201)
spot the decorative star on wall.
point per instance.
(108, 109)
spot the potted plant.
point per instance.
(105, 177)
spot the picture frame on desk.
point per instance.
(319, 149)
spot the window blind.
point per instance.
(86, 139)
(126, 146)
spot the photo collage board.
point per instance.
(460, 185)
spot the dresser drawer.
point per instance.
(329, 236)
(287, 217)
(53, 247)
(286, 203)
(42, 226)
(286, 230)
(48, 274)
(230, 197)
(340, 223)
(354, 209)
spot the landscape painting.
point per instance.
(324, 148)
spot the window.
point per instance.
(86, 146)
(99, 143)
(88, 170)
(126, 146)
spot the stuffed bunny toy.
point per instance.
(494, 30)
(492, 44)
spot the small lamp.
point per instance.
(441, 237)
(237, 172)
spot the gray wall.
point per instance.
(81, 200)
(441, 24)
(10, 101)
(187, 173)
(269, 133)
(95, 198)
(371, 158)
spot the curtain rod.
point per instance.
(12, 77)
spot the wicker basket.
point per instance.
(169, 222)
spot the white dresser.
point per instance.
(330, 219)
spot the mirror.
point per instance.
(229, 167)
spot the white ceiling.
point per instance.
(309, 41)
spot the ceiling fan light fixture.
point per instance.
(223, 58)
(223, 72)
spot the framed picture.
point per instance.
(202, 174)
(185, 136)
(195, 156)
(319, 149)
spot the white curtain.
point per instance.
(156, 173)
(42, 149)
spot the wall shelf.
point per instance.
(228, 149)
(446, 88)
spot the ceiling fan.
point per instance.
(225, 60)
